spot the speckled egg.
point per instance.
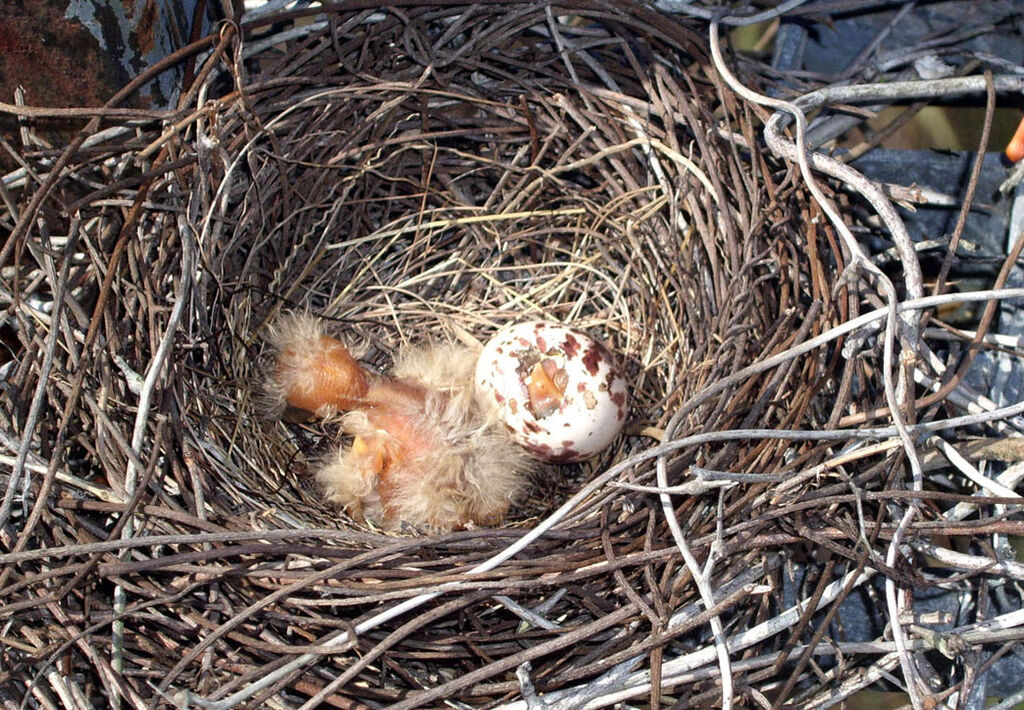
(559, 392)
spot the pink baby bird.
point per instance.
(425, 450)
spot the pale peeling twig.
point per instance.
(704, 481)
(527, 689)
(34, 465)
(912, 277)
(702, 578)
(971, 563)
(529, 616)
(1010, 479)
(38, 402)
(1010, 701)
(1009, 620)
(155, 372)
(854, 683)
(686, 7)
(834, 333)
(1014, 342)
(907, 90)
(676, 670)
(994, 487)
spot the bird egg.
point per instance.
(558, 391)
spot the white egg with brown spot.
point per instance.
(558, 391)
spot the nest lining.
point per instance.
(424, 173)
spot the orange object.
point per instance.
(1015, 148)
(314, 372)
(424, 451)
(320, 376)
(545, 387)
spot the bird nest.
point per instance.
(433, 173)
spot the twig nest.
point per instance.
(558, 391)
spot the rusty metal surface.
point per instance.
(56, 60)
(80, 52)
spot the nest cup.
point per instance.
(447, 181)
(405, 175)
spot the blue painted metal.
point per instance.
(137, 34)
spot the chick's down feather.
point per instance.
(425, 451)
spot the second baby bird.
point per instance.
(425, 450)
